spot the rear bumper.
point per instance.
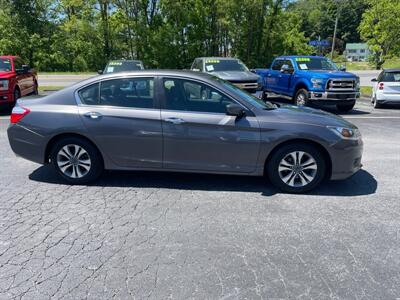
(346, 156)
(383, 98)
(26, 143)
(333, 97)
(6, 97)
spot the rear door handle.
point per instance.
(175, 121)
(93, 115)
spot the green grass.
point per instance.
(43, 88)
(361, 65)
(366, 91)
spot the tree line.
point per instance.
(82, 35)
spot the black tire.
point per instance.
(301, 98)
(96, 160)
(274, 175)
(377, 104)
(345, 107)
(264, 96)
(16, 95)
(36, 89)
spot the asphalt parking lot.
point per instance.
(181, 236)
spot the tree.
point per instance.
(380, 28)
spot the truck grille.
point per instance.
(246, 85)
(340, 85)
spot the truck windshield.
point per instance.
(123, 66)
(308, 63)
(5, 65)
(246, 96)
(216, 65)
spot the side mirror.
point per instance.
(253, 71)
(196, 70)
(342, 68)
(100, 72)
(374, 80)
(286, 69)
(235, 110)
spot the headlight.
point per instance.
(317, 83)
(3, 84)
(346, 133)
(358, 83)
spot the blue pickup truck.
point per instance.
(310, 80)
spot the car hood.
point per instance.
(328, 74)
(307, 115)
(6, 75)
(236, 75)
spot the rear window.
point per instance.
(123, 66)
(390, 77)
(5, 65)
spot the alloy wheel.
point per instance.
(297, 169)
(73, 161)
(301, 99)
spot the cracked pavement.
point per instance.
(137, 235)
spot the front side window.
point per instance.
(123, 92)
(18, 64)
(277, 65)
(187, 95)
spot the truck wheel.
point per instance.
(345, 107)
(35, 89)
(301, 97)
(16, 96)
(264, 96)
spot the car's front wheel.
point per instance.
(296, 168)
(76, 160)
(301, 97)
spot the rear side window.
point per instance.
(90, 95)
(390, 77)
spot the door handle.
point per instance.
(175, 121)
(93, 115)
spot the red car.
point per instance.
(16, 80)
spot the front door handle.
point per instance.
(175, 121)
(93, 115)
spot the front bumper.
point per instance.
(346, 158)
(333, 97)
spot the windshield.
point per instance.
(246, 96)
(317, 63)
(216, 65)
(5, 65)
(123, 66)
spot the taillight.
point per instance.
(381, 85)
(18, 113)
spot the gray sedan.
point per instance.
(182, 121)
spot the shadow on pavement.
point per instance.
(362, 183)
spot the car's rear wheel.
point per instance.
(296, 168)
(345, 107)
(76, 160)
(301, 97)
(35, 89)
(377, 104)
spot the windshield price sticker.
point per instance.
(212, 61)
(303, 59)
(303, 66)
(210, 68)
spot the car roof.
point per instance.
(148, 72)
(217, 57)
(9, 56)
(298, 56)
(123, 60)
(391, 70)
